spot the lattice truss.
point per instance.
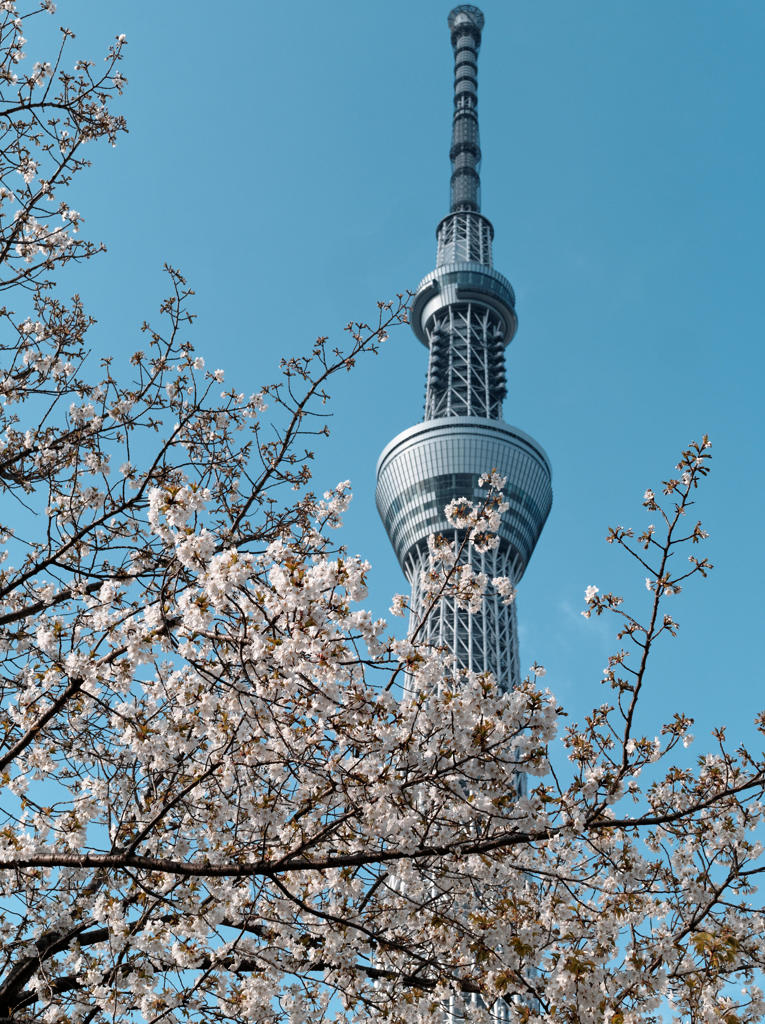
(500, 1011)
(466, 367)
(482, 641)
(464, 237)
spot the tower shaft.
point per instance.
(466, 364)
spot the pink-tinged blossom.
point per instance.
(459, 511)
(504, 587)
(492, 480)
(40, 72)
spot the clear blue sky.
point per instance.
(292, 159)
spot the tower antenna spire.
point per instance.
(465, 24)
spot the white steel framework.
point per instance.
(484, 641)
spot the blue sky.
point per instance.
(292, 160)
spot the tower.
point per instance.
(464, 313)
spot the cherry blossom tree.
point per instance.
(228, 793)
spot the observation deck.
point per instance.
(422, 469)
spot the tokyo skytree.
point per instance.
(464, 313)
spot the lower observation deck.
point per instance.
(426, 466)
